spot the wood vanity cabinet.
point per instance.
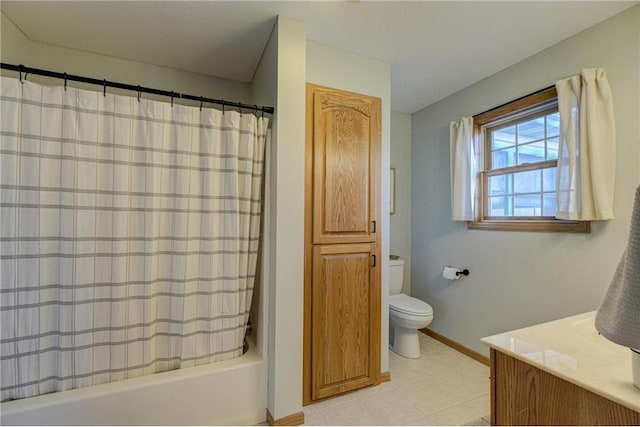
(522, 394)
(342, 242)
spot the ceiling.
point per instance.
(435, 48)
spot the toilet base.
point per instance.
(405, 342)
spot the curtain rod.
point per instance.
(140, 89)
(515, 100)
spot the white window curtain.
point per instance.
(587, 149)
(130, 232)
(463, 169)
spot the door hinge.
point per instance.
(374, 226)
(373, 260)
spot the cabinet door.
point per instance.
(346, 156)
(345, 318)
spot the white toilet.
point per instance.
(406, 315)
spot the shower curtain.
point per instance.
(129, 233)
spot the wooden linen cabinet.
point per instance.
(342, 243)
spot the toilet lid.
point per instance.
(409, 305)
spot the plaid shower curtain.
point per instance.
(129, 235)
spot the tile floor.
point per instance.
(443, 387)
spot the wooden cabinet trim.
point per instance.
(344, 249)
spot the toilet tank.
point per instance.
(396, 270)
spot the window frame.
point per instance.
(537, 104)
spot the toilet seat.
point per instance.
(402, 303)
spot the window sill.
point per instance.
(554, 226)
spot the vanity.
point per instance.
(561, 373)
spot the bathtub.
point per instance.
(232, 392)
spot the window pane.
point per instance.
(553, 125)
(527, 205)
(525, 143)
(527, 182)
(549, 204)
(549, 179)
(552, 148)
(503, 158)
(499, 184)
(531, 153)
(500, 206)
(503, 138)
(531, 130)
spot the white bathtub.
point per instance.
(232, 392)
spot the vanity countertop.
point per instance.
(572, 349)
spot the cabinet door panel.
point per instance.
(345, 317)
(346, 147)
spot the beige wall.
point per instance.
(522, 278)
(287, 224)
(16, 48)
(328, 66)
(264, 89)
(400, 233)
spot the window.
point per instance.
(519, 146)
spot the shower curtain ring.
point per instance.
(201, 102)
(172, 98)
(138, 93)
(104, 87)
(223, 106)
(20, 72)
(65, 82)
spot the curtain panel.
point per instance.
(129, 232)
(463, 169)
(587, 147)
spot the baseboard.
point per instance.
(296, 419)
(385, 377)
(457, 346)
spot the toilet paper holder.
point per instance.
(454, 273)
